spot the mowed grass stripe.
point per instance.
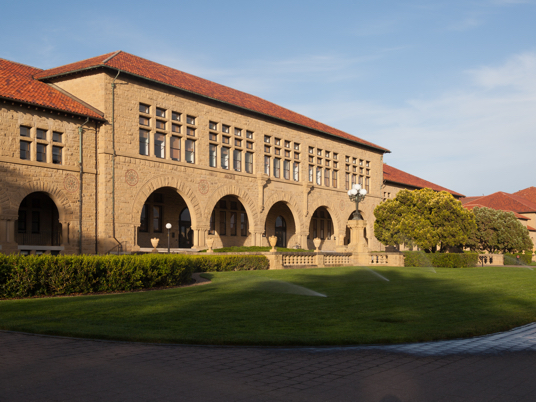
(276, 308)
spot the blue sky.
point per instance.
(448, 86)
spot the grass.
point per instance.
(256, 249)
(269, 308)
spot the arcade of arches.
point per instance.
(229, 224)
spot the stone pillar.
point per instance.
(7, 235)
(358, 242)
(339, 245)
(135, 247)
(302, 239)
(200, 235)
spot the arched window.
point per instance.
(281, 231)
(186, 234)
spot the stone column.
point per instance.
(7, 235)
(302, 239)
(200, 235)
(135, 246)
(358, 242)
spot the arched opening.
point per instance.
(280, 222)
(281, 231)
(321, 226)
(38, 224)
(229, 223)
(186, 234)
(164, 206)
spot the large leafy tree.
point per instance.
(498, 231)
(426, 218)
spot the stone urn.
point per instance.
(316, 242)
(210, 243)
(154, 242)
(273, 242)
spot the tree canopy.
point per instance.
(498, 231)
(425, 218)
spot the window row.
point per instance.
(317, 176)
(278, 142)
(225, 128)
(225, 155)
(275, 163)
(160, 144)
(165, 114)
(324, 153)
(41, 152)
(364, 182)
(229, 220)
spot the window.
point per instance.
(24, 131)
(40, 134)
(319, 176)
(175, 148)
(368, 172)
(237, 160)
(266, 139)
(213, 137)
(189, 148)
(249, 134)
(334, 179)
(41, 154)
(249, 145)
(287, 144)
(277, 141)
(277, 167)
(225, 128)
(144, 121)
(296, 171)
(360, 180)
(190, 120)
(159, 145)
(354, 161)
(319, 152)
(212, 155)
(335, 156)
(354, 169)
(347, 159)
(144, 108)
(335, 165)
(353, 179)
(56, 155)
(249, 162)
(296, 146)
(367, 184)
(175, 128)
(347, 167)
(368, 164)
(225, 158)
(223, 223)
(175, 116)
(161, 124)
(237, 142)
(287, 154)
(267, 149)
(238, 131)
(327, 154)
(296, 155)
(25, 150)
(327, 163)
(56, 136)
(190, 131)
(286, 169)
(243, 224)
(267, 165)
(311, 173)
(347, 181)
(144, 142)
(157, 218)
(160, 112)
(232, 223)
(225, 139)
(277, 151)
(36, 222)
(144, 219)
(319, 161)
(311, 150)
(212, 125)
(326, 177)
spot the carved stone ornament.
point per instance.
(203, 187)
(71, 183)
(131, 177)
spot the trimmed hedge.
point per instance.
(511, 259)
(45, 275)
(438, 260)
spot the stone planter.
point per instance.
(316, 242)
(210, 243)
(154, 242)
(273, 242)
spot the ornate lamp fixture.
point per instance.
(357, 194)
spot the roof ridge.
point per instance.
(111, 57)
(21, 64)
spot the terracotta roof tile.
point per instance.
(467, 200)
(528, 193)
(17, 83)
(518, 216)
(507, 202)
(531, 228)
(166, 75)
(398, 176)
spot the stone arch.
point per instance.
(338, 225)
(243, 197)
(292, 204)
(64, 206)
(175, 182)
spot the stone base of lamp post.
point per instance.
(358, 243)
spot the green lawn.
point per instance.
(272, 308)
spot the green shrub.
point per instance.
(445, 260)
(45, 275)
(524, 259)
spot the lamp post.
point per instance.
(357, 194)
(168, 227)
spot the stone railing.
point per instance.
(322, 259)
(379, 259)
(303, 259)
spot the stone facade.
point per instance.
(128, 197)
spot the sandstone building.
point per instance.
(107, 151)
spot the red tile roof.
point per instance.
(506, 202)
(17, 84)
(518, 216)
(467, 200)
(528, 193)
(398, 176)
(147, 69)
(531, 228)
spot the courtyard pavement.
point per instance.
(499, 367)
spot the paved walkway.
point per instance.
(500, 367)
